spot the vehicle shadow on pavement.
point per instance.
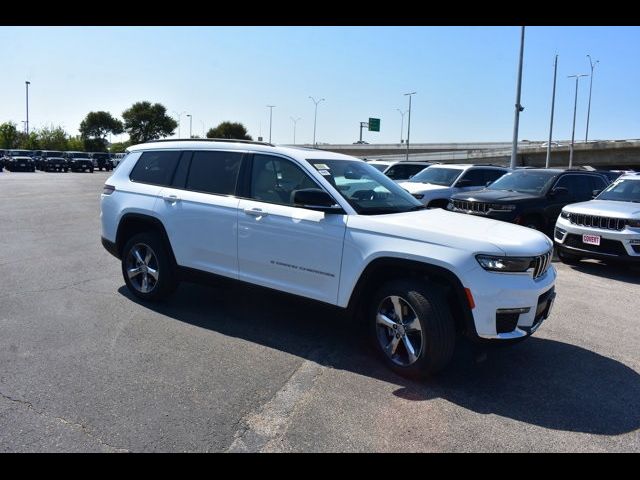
(612, 271)
(542, 382)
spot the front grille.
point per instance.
(610, 247)
(595, 221)
(541, 264)
(480, 207)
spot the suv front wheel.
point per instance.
(147, 268)
(412, 327)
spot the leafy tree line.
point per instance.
(143, 122)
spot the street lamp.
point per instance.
(270, 107)
(553, 102)
(575, 104)
(294, 120)
(190, 124)
(179, 121)
(409, 122)
(401, 123)
(593, 65)
(27, 83)
(315, 117)
(519, 108)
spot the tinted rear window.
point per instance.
(155, 168)
(214, 172)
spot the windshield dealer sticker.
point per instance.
(321, 166)
(325, 172)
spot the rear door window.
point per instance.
(155, 167)
(214, 172)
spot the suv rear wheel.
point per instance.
(412, 327)
(147, 268)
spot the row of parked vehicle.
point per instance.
(57, 161)
(588, 213)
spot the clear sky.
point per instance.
(465, 78)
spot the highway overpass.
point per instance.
(611, 154)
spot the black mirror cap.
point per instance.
(312, 197)
(559, 191)
(595, 193)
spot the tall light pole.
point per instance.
(190, 124)
(553, 102)
(409, 122)
(270, 107)
(179, 121)
(294, 120)
(315, 118)
(593, 65)
(519, 108)
(401, 123)
(575, 104)
(27, 83)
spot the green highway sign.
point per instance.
(374, 124)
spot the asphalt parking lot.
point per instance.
(85, 367)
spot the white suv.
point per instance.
(607, 228)
(435, 185)
(331, 228)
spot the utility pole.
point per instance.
(409, 123)
(27, 83)
(575, 104)
(190, 125)
(519, 108)
(270, 107)
(315, 118)
(553, 101)
(294, 120)
(593, 65)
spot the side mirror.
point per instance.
(315, 199)
(488, 183)
(465, 182)
(595, 193)
(559, 191)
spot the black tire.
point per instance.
(438, 337)
(166, 276)
(568, 258)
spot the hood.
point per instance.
(21, 157)
(488, 195)
(456, 230)
(417, 187)
(606, 208)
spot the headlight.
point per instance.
(564, 214)
(633, 223)
(505, 264)
(502, 208)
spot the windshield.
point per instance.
(367, 190)
(100, 155)
(622, 191)
(20, 153)
(79, 155)
(524, 181)
(437, 176)
(52, 154)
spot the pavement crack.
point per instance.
(53, 289)
(263, 429)
(76, 426)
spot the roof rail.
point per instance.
(227, 140)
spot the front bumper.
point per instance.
(497, 293)
(614, 244)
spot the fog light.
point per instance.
(507, 318)
(559, 233)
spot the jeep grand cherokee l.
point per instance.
(331, 228)
(530, 197)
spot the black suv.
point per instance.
(79, 161)
(19, 160)
(102, 160)
(531, 197)
(53, 161)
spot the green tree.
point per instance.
(8, 135)
(95, 127)
(28, 142)
(119, 147)
(53, 138)
(144, 122)
(76, 144)
(229, 130)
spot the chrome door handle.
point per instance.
(255, 212)
(171, 198)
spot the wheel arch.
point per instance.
(133, 223)
(381, 270)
